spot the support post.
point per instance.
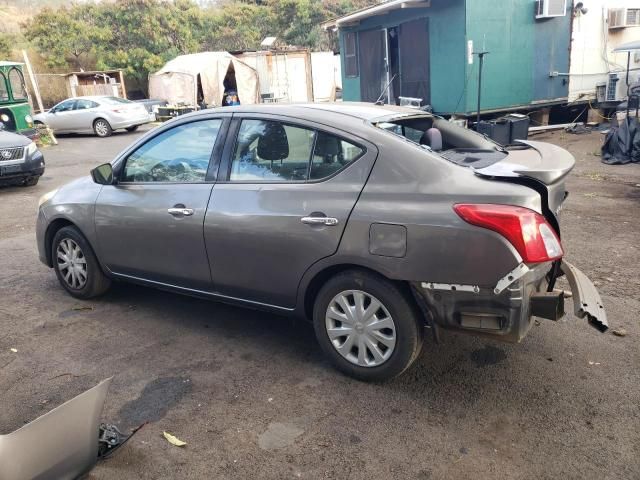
(32, 77)
(481, 57)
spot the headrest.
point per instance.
(433, 139)
(327, 145)
(273, 144)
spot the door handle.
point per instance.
(180, 211)
(328, 221)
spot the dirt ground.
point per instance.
(253, 397)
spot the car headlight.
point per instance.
(4, 117)
(46, 197)
(28, 119)
(32, 148)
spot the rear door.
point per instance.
(149, 225)
(83, 114)
(282, 200)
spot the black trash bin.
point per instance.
(497, 130)
(519, 126)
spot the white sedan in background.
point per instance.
(98, 114)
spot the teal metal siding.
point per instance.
(523, 51)
(516, 72)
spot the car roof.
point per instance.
(360, 110)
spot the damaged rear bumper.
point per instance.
(507, 310)
(586, 299)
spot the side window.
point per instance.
(331, 154)
(180, 154)
(4, 92)
(268, 151)
(83, 104)
(65, 106)
(17, 84)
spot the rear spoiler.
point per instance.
(542, 161)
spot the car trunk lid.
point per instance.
(541, 166)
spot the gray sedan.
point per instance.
(375, 223)
(100, 115)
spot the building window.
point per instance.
(350, 55)
(633, 16)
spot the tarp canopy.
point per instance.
(177, 81)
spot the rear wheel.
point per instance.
(367, 326)
(102, 128)
(132, 129)
(76, 265)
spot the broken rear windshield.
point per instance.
(452, 142)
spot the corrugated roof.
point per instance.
(379, 9)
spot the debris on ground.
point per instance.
(81, 308)
(593, 363)
(620, 332)
(14, 350)
(174, 440)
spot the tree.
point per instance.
(67, 37)
(147, 33)
(5, 46)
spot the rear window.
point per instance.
(114, 100)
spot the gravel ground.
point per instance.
(252, 396)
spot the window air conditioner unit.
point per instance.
(551, 8)
(624, 17)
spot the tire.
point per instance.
(66, 240)
(132, 129)
(102, 128)
(31, 181)
(403, 336)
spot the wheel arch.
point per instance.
(319, 278)
(51, 231)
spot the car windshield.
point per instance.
(114, 100)
(4, 91)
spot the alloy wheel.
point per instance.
(102, 128)
(72, 263)
(360, 328)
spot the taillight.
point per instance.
(528, 231)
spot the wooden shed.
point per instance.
(102, 82)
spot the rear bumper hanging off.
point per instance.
(586, 299)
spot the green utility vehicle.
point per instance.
(15, 111)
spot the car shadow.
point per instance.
(460, 360)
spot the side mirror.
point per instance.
(103, 174)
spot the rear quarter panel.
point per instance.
(417, 189)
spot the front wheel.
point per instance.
(76, 265)
(31, 181)
(102, 128)
(368, 327)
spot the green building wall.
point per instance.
(447, 50)
(516, 71)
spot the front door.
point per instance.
(60, 117)
(286, 194)
(149, 225)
